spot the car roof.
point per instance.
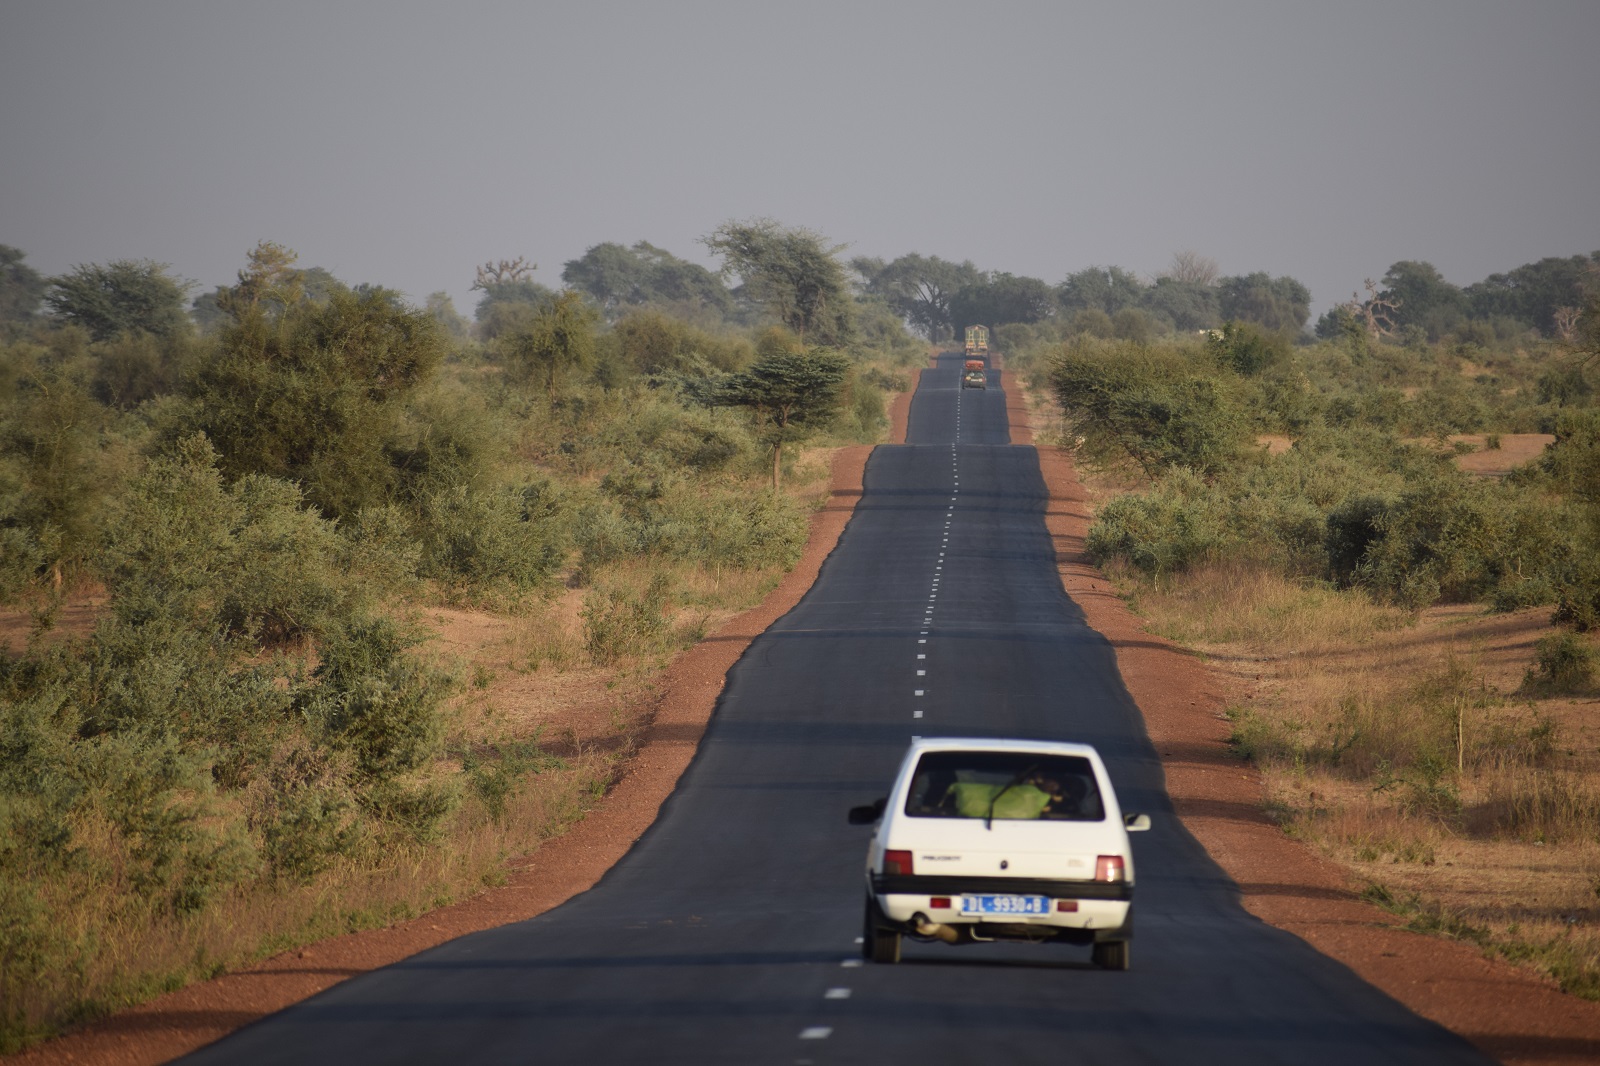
(1037, 747)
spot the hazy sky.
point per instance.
(402, 143)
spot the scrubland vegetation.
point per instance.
(256, 742)
(1410, 643)
(262, 499)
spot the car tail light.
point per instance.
(939, 903)
(899, 862)
(1068, 905)
(1109, 868)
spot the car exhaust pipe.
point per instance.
(925, 926)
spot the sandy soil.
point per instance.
(1509, 1013)
(1515, 450)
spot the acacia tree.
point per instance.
(1001, 298)
(793, 273)
(1106, 289)
(120, 297)
(21, 286)
(620, 279)
(558, 338)
(1280, 303)
(314, 394)
(1423, 297)
(53, 478)
(1532, 292)
(919, 288)
(270, 277)
(1189, 305)
(789, 393)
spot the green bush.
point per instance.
(1169, 529)
(653, 344)
(417, 811)
(637, 512)
(56, 470)
(314, 394)
(1151, 405)
(1459, 539)
(1564, 662)
(494, 772)
(1353, 527)
(618, 622)
(302, 804)
(507, 538)
(1578, 596)
(250, 559)
(1248, 349)
(34, 958)
(372, 699)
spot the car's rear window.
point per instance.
(1004, 785)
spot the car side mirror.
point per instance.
(870, 813)
(1136, 823)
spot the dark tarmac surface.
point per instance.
(729, 933)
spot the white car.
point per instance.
(984, 840)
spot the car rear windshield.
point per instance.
(1007, 785)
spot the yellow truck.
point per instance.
(977, 340)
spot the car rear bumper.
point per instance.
(1093, 910)
(959, 884)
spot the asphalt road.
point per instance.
(729, 933)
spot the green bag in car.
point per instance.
(1019, 802)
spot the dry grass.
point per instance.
(1410, 749)
(114, 960)
(528, 683)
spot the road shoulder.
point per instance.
(1509, 1013)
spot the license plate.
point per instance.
(1004, 905)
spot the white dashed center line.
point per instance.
(836, 993)
(816, 1032)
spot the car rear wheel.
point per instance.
(878, 942)
(1111, 954)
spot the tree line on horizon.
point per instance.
(939, 298)
(935, 297)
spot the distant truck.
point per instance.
(977, 340)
